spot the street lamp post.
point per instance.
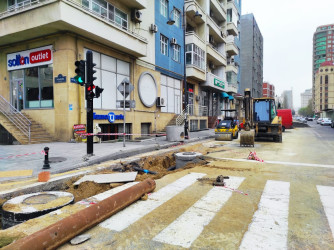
(184, 26)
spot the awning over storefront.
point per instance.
(224, 95)
(230, 97)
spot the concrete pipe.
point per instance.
(64, 230)
(183, 158)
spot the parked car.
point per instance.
(303, 120)
(309, 118)
(319, 120)
(332, 124)
(326, 121)
(286, 115)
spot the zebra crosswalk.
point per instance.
(268, 228)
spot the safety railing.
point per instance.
(191, 110)
(15, 117)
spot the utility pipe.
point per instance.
(64, 230)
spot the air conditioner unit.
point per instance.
(211, 40)
(160, 102)
(211, 65)
(136, 16)
(154, 28)
(173, 41)
(223, 34)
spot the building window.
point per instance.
(176, 52)
(110, 72)
(164, 8)
(171, 93)
(176, 17)
(33, 88)
(108, 11)
(163, 45)
(326, 79)
(195, 56)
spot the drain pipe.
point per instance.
(64, 230)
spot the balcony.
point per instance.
(42, 18)
(232, 67)
(231, 48)
(217, 11)
(232, 88)
(232, 29)
(193, 71)
(231, 5)
(191, 6)
(215, 82)
(215, 56)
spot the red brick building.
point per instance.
(268, 90)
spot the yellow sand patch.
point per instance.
(15, 173)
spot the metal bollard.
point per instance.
(46, 158)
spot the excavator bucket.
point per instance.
(247, 138)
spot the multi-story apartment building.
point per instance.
(251, 53)
(324, 90)
(305, 98)
(129, 40)
(268, 90)
(210, 48)
(287, 99)
(323, 50)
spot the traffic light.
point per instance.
(89, 92)
(98, 91)
(90, 69)
(80, 71)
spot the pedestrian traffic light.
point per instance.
(80, 71)
(89, 92)
(98, 91)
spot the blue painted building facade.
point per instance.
(164, 59)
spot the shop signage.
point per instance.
(30, 58)
(60, 79)
(219, 83)
(111, 117)
(79, 128)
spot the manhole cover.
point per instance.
(39, 199)
(29, 206)
(56, 159)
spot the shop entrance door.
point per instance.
(17, 93)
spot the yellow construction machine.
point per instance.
(227, 129)
(261, 115)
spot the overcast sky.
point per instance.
(287, 27)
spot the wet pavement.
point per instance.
(66, 156)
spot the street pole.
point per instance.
(90, 150)
(185, 77)
(124, 114)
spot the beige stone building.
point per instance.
(324, 90)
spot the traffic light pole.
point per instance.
(89, 58)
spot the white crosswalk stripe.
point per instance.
(185, 229)
(327, 199)
(269, 227)
(133, 213)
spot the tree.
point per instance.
(307, 111)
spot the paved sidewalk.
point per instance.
(73, 155)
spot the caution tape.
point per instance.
(234, 190)
(99, 134)
(27, 154)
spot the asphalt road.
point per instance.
(285, 202)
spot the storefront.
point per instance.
(31, 78)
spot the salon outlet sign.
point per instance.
(30, 58)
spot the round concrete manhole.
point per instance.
(29, 206)
(183, 158)
(56, 159)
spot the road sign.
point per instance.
(125, 87)
(128, 104)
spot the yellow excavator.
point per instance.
(260, 120)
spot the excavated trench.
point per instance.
(162, 165)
